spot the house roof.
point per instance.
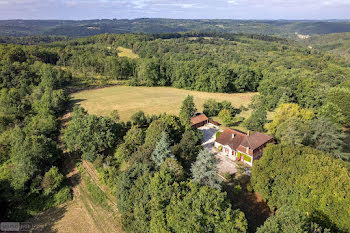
(199, 118)
(242, 139)
(256, 140)
(226, 138)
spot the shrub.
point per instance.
(218, 134)
(226, 117)
(250, 188)
(98, 163)
(52, 180)
(63, 195)
(228, 176)
(109, 176)
(237, 189)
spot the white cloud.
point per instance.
(139, 4)
(187, 5)
(234, 2)
(78, 9)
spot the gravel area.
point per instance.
(225, 165)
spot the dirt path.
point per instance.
(82, 214)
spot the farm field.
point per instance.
(152, 100)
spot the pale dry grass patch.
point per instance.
(124, 52)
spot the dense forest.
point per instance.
(32, 98)
(213, 62)
(155, 164)
(337, 44)
(79, 28)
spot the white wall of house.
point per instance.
(227, 150)
(216, 145)
(249, 163)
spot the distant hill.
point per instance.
(338, 44)
(285, 28)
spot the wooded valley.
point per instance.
(154, 164)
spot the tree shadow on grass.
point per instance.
(254, 207)
(73, 102)
(45, 221)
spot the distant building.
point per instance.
(199, 120)
(240, 146)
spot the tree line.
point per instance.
(32, 97)
(211, 62)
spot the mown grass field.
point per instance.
(124, 52)
(152, 100)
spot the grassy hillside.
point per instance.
(151, 100)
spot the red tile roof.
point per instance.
(225, 138)
(256, 140)
(253, 141)
(198, 119)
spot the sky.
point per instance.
(188, 9)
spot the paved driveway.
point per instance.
(209, 136)
(225, 165)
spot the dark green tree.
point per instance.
(90, 135)
(211, 107)
(210, 211)
(289, 220)
(114, 115)
(30, 153)
(307, 180)
(187, 110)
(52, 181)
(187, 150)
(328, 137)
(257, 120)
(341, 98)
(139, 118)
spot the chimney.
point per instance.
(233, 135)
(248, 133)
